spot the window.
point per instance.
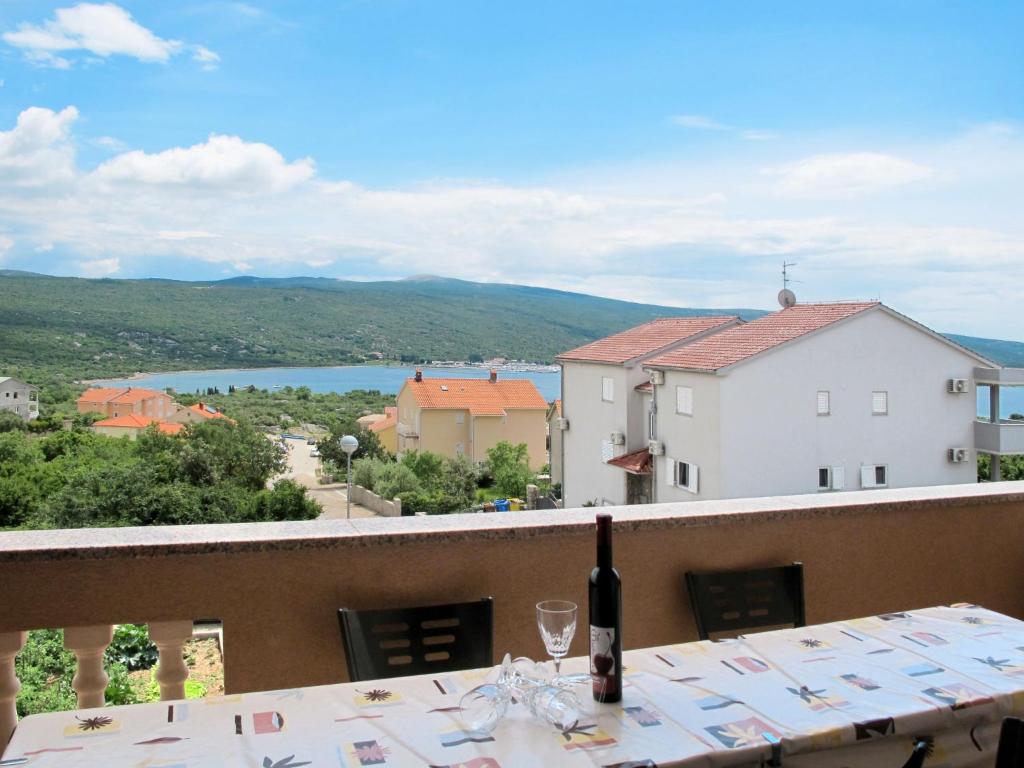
(831, 478)
(880, 403)
(607, 389)
(874, 476)
(682, 474)
(684, 400)
(459, 449)
(459, 417)
(824, 402)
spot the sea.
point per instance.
(343, 378)
(388, 379)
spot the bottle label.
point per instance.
(602, 659)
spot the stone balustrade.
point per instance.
(276, 587)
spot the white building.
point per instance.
(604, 417)
(813, 398)
(19, 397)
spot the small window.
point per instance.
(15, 395)
(608, 389)
(880, 403)
(880, 478)
(874, 476)
(831, 478)
(682, 474)
(824, 403)
(684, 400)
(459, 449)
(459, 417)
(824, 479)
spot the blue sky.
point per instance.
(665, 152)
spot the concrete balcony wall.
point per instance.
(1004, 438)
(277, 587)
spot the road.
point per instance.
(302, 469)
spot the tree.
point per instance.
(369, 445)
(427, 466)
(11, 422)
(509, 465)
(392, 479)
(218, 450)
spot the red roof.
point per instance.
(645, 386)
(390, 419)
(119, 395)
(637, 462)
(207, 411)
(479, 396)
(131, 421)
(644, 339)
(743, 341)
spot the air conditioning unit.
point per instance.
(655, 448)
(957, 386)
(959, 455)
(617, 438)
(563, 424)
(657, 378)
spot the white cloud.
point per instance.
(38, 151)
(206, 57)
(845, 175)
(110, 143)
(99, 29)
(225, 162)
(99, 267)
(184, 234)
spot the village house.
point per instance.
(19, 398)
(131, 425)
(113, 402)
(465, 417)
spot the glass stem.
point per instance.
(558, 665)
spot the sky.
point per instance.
(673, 153)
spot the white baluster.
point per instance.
(88, 645)
(10, 644)
(169, 637)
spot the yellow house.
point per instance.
(386, 429)
(467, 416)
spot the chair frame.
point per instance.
(472, 647)
(1011, 744)
(789, 581)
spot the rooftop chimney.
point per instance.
(494, 376)
(419, 375)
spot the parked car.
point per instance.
(314, 452)
(310, 440)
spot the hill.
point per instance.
(93, 328)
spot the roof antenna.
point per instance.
(786, 297)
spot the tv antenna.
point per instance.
(786, 297)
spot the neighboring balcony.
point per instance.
(1003, 438)
(277, 587)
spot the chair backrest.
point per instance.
(394, 642)
(1011, 744)
(917, 757)
(731, 601)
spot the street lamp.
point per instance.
(349, 445)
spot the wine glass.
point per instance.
(556, 620)
(482, 708)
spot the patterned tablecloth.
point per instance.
(852, 694)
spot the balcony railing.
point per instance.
(277, 586)
(1004, 438)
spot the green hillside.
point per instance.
(93, 328)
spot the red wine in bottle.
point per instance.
(605, 619)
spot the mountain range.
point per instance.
(105, 327)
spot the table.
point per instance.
(851, 694)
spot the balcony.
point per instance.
(277, 586)
(1003, 438)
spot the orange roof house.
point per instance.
(122, 401)
(386, 429)
(643, 340)
(130, 425)
(454, 416)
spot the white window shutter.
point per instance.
(838, 478)
(670, 471)
(823, 403)
(880, 402)
(694, 485)
(684, 400)
(867, 476)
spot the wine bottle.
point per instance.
(605, 619)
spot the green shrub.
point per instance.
(119, 688)
(364, 470)
(131, 648)
(392, 479)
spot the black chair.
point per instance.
(921, 749)
(730, 601)
(416, 641)
(1011, 744)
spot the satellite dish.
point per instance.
(787, 298)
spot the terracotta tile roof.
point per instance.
(479, 396)
(644, 339)
(132, 421)
(644, 387)
(207, 411)
(736, 344)
(119, 395)
(636, 463)
(390, 419)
